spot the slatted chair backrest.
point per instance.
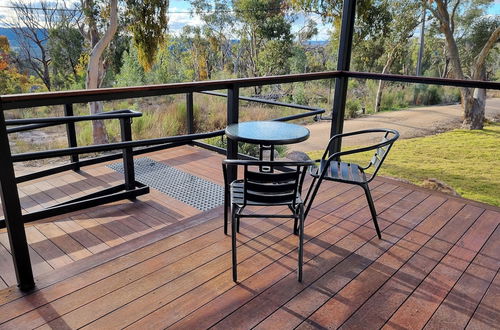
(382, 151)
(272, 188)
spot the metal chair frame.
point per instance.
(322, 172)
(265, 189)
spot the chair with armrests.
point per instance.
(331, 167)
(266, 189)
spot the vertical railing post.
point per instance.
(190, 113)
(12, 213)
(343, 64)
(233, 98)
(128, 156)
(71, 134)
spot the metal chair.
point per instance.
(331, 168)
(265, 189)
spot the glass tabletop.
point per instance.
(267, 132)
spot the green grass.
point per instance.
(468, 161)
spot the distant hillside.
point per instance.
(9, 33)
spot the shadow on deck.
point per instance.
(158, 262)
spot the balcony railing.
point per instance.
(14, 219)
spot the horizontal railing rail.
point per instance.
(270, 102)
(17, 101)
(28, 124)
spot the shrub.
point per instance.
(352, 108)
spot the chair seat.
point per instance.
(340, 171)
(236, 191)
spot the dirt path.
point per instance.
(410, 123)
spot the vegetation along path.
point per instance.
(410, 123)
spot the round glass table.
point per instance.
(267, 132)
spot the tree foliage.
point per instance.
(148, 22)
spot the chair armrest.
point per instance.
(366, 131)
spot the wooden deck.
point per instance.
(437, 265)
(59, 241)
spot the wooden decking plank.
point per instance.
(63, 185)
(431, 292)
(380, 306)
(462, 300)
(91, 270)
(39, 265)
(63, 241)
(334, 278)
(37, 195)
(149, 215)
(98, 229)
(205, 295)
(155, 206)
(281, 272)
(369, 280)
(278, 237)
(83, 236)
(137, 210)
(487, 315)
(91, 293)
(171, 279)
(331, 270)
(292, 312)
(50, 190)
(46, 248)
(28, 204)
(266, 226)
(7, 271)
(123, 225)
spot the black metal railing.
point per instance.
(14, 219)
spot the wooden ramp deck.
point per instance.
(437, 266)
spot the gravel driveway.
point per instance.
(410, 123)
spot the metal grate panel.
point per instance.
(185, 187)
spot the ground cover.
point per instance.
(468, 161)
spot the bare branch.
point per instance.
(481, 58)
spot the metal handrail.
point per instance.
(16, 101)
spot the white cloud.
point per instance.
(180, 17)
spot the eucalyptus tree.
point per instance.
(405, 16)
(145, 20)
(218, 23)
(461, 20)
(31, 25)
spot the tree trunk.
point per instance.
(381, 83)
(474, 104)
(95, 72)
(474, 101)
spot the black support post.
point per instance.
(343, 64)
(71, 134)
(190, 113)
(128, 154)
(12, 213)
(233, 97)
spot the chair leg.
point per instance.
(301, 243)
(310, 198)
(226, 206)
(238, 225)
(372, 209)
(296, 226)
(233, 243)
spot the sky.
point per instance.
(179, 16)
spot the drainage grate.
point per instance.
(189, 189)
